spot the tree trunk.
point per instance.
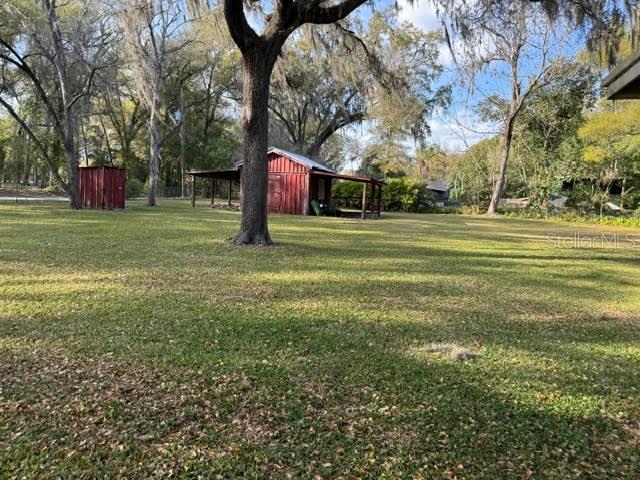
(69, 145)
(504, 160)
(257, 67)
(68, 130)
(154, 161)
(106, 139)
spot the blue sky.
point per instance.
(457, 128)
(447, 127)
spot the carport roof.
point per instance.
(623, 82)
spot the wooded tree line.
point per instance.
(162, 86)
(591, 158)
(155, 86)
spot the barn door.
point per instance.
(274, 193)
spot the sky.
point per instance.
(456, 128)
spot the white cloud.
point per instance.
(421, 14)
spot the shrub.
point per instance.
(472, 209)
(53, 188)
(398, 195)
(347, 194)
(405, 195)
(135, 188)
(631, 220)
(447, 210)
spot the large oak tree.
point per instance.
(259, 55)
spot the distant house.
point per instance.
(439, 189)
(298, 185)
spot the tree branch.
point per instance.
(7, 106)
(243, 35)
(312, 12)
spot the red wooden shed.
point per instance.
(102, 187)
(295, 181)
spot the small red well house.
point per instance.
(102, 187)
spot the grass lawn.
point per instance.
(141, 344)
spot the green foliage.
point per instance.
(398, 195)
(472, 176)
(611, 149)
(135, 188)
(582, 217)
(347, 189)
(405, 195)
(544, 150)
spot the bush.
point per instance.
(53, 188)
(135, 188)
(404, 195)
(347, 194)
(447, 210)
(631, 220)
(471, 209)
(398, 195)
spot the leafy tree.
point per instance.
(43, 45)
(473, 176)
(341, 151)
(153, 35)
(313, 94)
(550, 119)
(334, 77)
(518, 45)
(612, 149)
(122, 118)
(432, 163)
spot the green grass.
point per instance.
(141, 344)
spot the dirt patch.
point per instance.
(453, 351)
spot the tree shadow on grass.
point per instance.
(323, 398)
(313, 356)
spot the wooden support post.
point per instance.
(372, 199)
(327, 190)
(364, 200)
(230, 184)
(193, 191)
(379, 199)
(213, 191)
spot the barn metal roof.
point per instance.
(353, 178)
(296, 157)
(301, 159)
(438, 186)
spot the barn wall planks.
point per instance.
(288, 180)
(102, 187)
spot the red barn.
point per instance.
(295, 182)
(102, 187)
